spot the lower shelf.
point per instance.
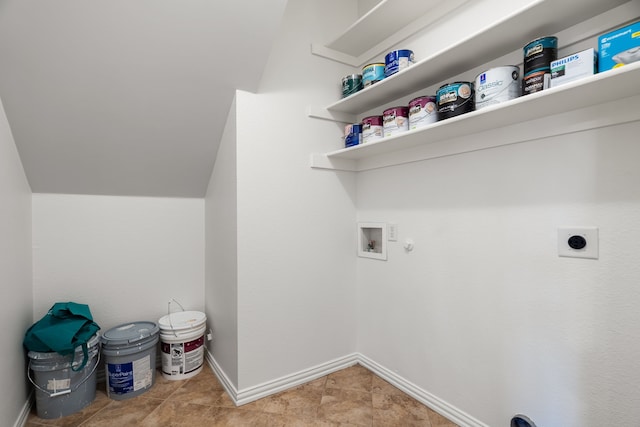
(596, 101)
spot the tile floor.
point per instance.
(351, 397)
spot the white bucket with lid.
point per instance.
(182, 344)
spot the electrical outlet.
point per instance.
(578, 242)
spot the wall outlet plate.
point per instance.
(578, 242)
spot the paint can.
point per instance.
(182, 344)
(372, 73)
(422, 111)
(538, 55)
(130, 359)
(61, 388)
(353, 134)
(397, 60)
(372, 129)
(351, 84)
(497, 85)
(454, 99)
(395, 120)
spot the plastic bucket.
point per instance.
(182, 344)
(129, 352)
(61, 391)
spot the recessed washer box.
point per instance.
(573, 67)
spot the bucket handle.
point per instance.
(66, 391)
(169, 315)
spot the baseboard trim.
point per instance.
(440, 406)
(222, 377)
(24, 413)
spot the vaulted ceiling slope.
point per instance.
(127, 97)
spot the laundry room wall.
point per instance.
(221, 254)
(126, 257)
(483, 315)
(296, 225)
(15, 270)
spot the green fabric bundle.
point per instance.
(66, 326)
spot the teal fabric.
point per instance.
(66, 326)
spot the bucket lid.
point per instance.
(130, 333)
(181, 320)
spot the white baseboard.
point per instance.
(289, 381)
(440, 406)
(24, 413)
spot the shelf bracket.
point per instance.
(334, 116)
(334, 55)
(322, 161)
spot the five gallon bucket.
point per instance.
(60, 389)
(129, 351)
(182, 344)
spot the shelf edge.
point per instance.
(321, 161)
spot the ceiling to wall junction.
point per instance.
(127, 97)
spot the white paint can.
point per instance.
(182, 344)
(497, 85)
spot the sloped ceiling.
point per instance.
(127, 97)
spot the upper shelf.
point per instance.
(390, 21)
(541, 17)
(613, 85)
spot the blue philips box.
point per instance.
(619, 47)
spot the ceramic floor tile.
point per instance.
(438, 420)
(163, 388)
(398, 410)
(179, 414)
(353, 378)
(346, 406)
(126, 412)
(203, 389)
(380, 386)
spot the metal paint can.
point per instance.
(397, 60)
(497, 85)
(454, 99)
(395, 120)
(538, 55)
(372, 129)
(351, 84)
(352, 134)
(372, 73)
(422, 111)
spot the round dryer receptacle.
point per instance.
(522, 421)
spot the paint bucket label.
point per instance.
(535, 82)
(124, 378)
(351, 84)
(497, 85)
(372, 73)
(395, 121)
(352, 134)
(181, 358)
(538, 55)
(454, 99)
(372, 129)
(397, 60)
(422, 111)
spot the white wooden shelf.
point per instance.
(389, 22)
(541, 17)
(614, 85)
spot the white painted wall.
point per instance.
(221, 253)
(296, 226)
(15, 272)
(483, 313)
(126, 257)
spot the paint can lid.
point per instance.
(181, 320)
(130, 333)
